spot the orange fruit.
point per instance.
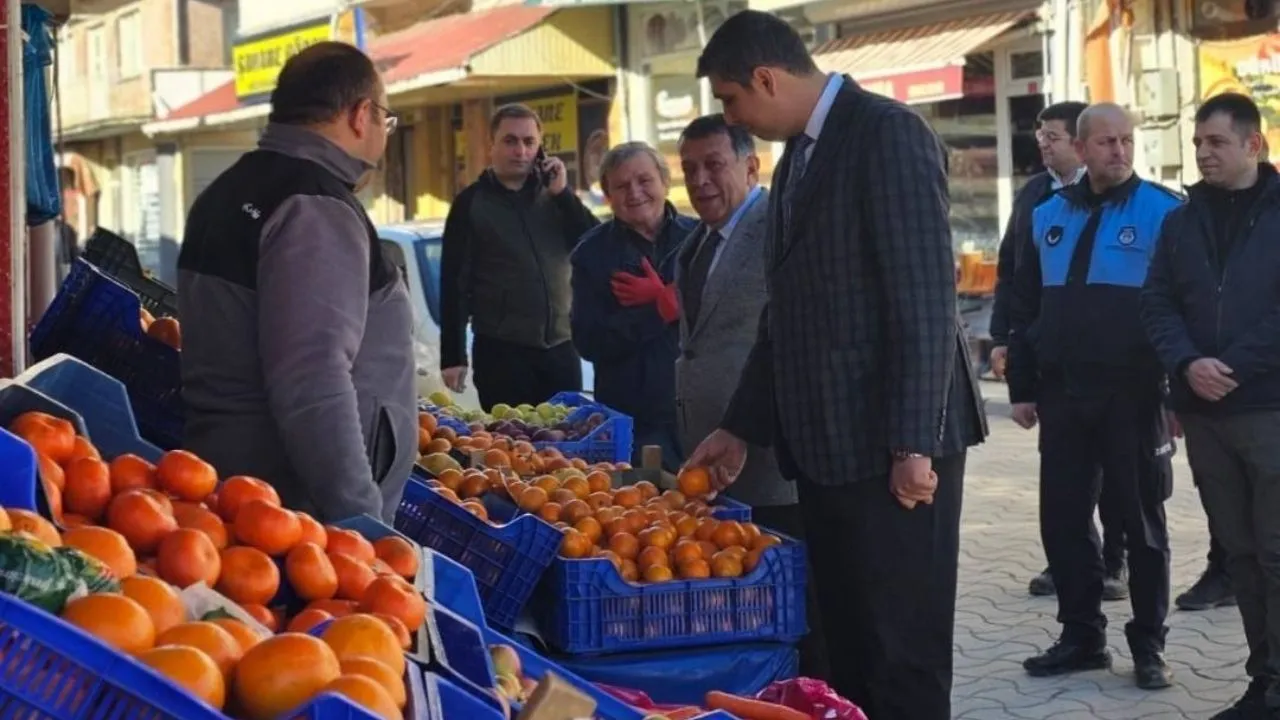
(708, 548)
(379, 673)
(117, 620)
(47, 434)
(550, 512)
(71, 521)
(106, 545)
(50, 471)
(694, 569)
(533, 498)
(161, 601)
(166, 502)
(726, 565)
(597, 500)
(674, 499)
(390, 595)
(87, 487)
(636, 520)
(599, 481)
(364, 634)
(83, 448)
(310, 573)
(5, 523)
(197, 517)
(280, 673)
(209, 638)
(27, 521)
(400, 554)
(263, 615)
(651, 556)
(765, 541)
(186, 557)
(185, 476)
(245, 636)
(248, 576)
(612, 557)
(590, 527)
(685, 551)
(658, 574)
(191, 669)
(335, 607)
(727, 534)
(659, 536)
(752, 559)
(706, 526)
(750, 533)
(627, 497)
(130, 472)
(141, 519)
(694, 482)
(625, 545)
(427, 421)
(367, 693)
(398, 627)
(475, 507)
(166, 330)
(240, 489)
(307, 619)
(354, 577)
(578, 486)
(349, 542)
(270, 528)
(575, 510)
(629, 571)
(312, 531)
(52, 489)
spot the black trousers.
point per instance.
(665, 435)
(1237, 462)
(1118, 437)
(789, 520)
(886, 585)
(514, 374)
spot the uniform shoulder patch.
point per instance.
(1128, 235)
(1054, 235)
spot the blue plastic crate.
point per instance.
(585, 607)
(726, 508)
(536, 666)
(97, 319)
(415, 705)
(444, 581)
(97, 397)
(21, 489)
(455, 649)
(446, 701)
(506, 560)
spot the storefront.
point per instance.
(1237, 54)
(980, 80)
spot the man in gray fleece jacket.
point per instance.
(297, 362)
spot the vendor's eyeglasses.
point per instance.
(391, 120)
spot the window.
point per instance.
(129, 45)
(68, 62)
(1026, 65)
(99, 84)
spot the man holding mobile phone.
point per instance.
(505, 270)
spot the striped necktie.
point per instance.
(798, 163)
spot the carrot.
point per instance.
(750, 709)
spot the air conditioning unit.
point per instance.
(1158, 94)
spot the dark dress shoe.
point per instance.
(1212, 590)
(1151, 672)
(1065, 657)
(1042, 585)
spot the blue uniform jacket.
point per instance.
(1077, 289)
(632, 348)
(1197, 304)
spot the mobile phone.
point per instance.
(539, 166)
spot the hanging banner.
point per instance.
(1250, 66)
(559, 116)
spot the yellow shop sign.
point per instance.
(257, 61)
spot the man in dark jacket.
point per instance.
(1080, 365)
(625, 311)
(297, 358)
(505, 270)
(1211, 306)
(1056, 136)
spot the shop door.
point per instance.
(398, 172)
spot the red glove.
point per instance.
(633, 290)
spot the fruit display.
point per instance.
(165, 329)
(129, 534)
(436, 442)
(648, 536)
(545, 422)
(542, 415)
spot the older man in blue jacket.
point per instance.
(1211, 306)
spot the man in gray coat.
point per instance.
(720, 283)
(297, 358)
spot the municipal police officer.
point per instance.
(1080, 364)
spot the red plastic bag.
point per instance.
(812, 697)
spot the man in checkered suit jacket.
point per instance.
(859, 378)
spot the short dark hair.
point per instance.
(1068, 113)
(710, 125)
(322, 82)
(752, 39)
(1243, 111)
(512, 111)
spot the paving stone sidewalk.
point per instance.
(998, 624)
